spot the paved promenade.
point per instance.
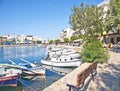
(106, 79)
(108, 76)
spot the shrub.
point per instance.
(93, 50)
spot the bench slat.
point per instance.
(81, 77)
(80, 80)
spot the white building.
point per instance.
(112, 36)
(36, 38)
(66, 33)
(105, 6)
(105, 3)
(45, 40)
(9, 37)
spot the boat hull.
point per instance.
(41, 73)
(9, 80)
(35, 71)
(75, 63)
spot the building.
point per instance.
(37, 38)
(29, 39)
(3, 39)
(20, 39)
(104, 4)
(66, 33)
(112, 36)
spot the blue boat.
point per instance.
(8, 78)
(29, 68)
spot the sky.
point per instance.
(44, 18)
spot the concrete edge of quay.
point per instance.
(60, 85)
(106, 79)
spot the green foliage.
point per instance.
(93, 50)
(66, 40)
(72, 38)
(39, 42)
(88, 21)
(114, 7)
(51, 41)
(57, 41)
(114, 15)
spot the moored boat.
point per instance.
(63, 61)
(8, 78)
(34, 71)
(29, 68)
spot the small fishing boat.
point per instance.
(29, 68)
(34, 78)
(8, 77)
(34, 71)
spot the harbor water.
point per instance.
(32, 54)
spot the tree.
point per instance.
(39, 42)
(91, 23)
(88, 20)
(51, 41)
(114, 13)
(1, 40)
(57, 41)
(72, 38)
(66, 40)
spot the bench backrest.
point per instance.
(94, 65)
(80, 79)
(84, 74)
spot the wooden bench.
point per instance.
(81, 77)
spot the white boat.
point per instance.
(10, 68)
(34, 71)
(56, 50)
(34, 78)
(70, 60)
(29, 68)
(60, 51)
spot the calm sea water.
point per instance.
(32, 54)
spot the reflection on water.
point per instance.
(34, 83)
(59, 70)
(39, 83)
(7, 88)
(21, 52)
